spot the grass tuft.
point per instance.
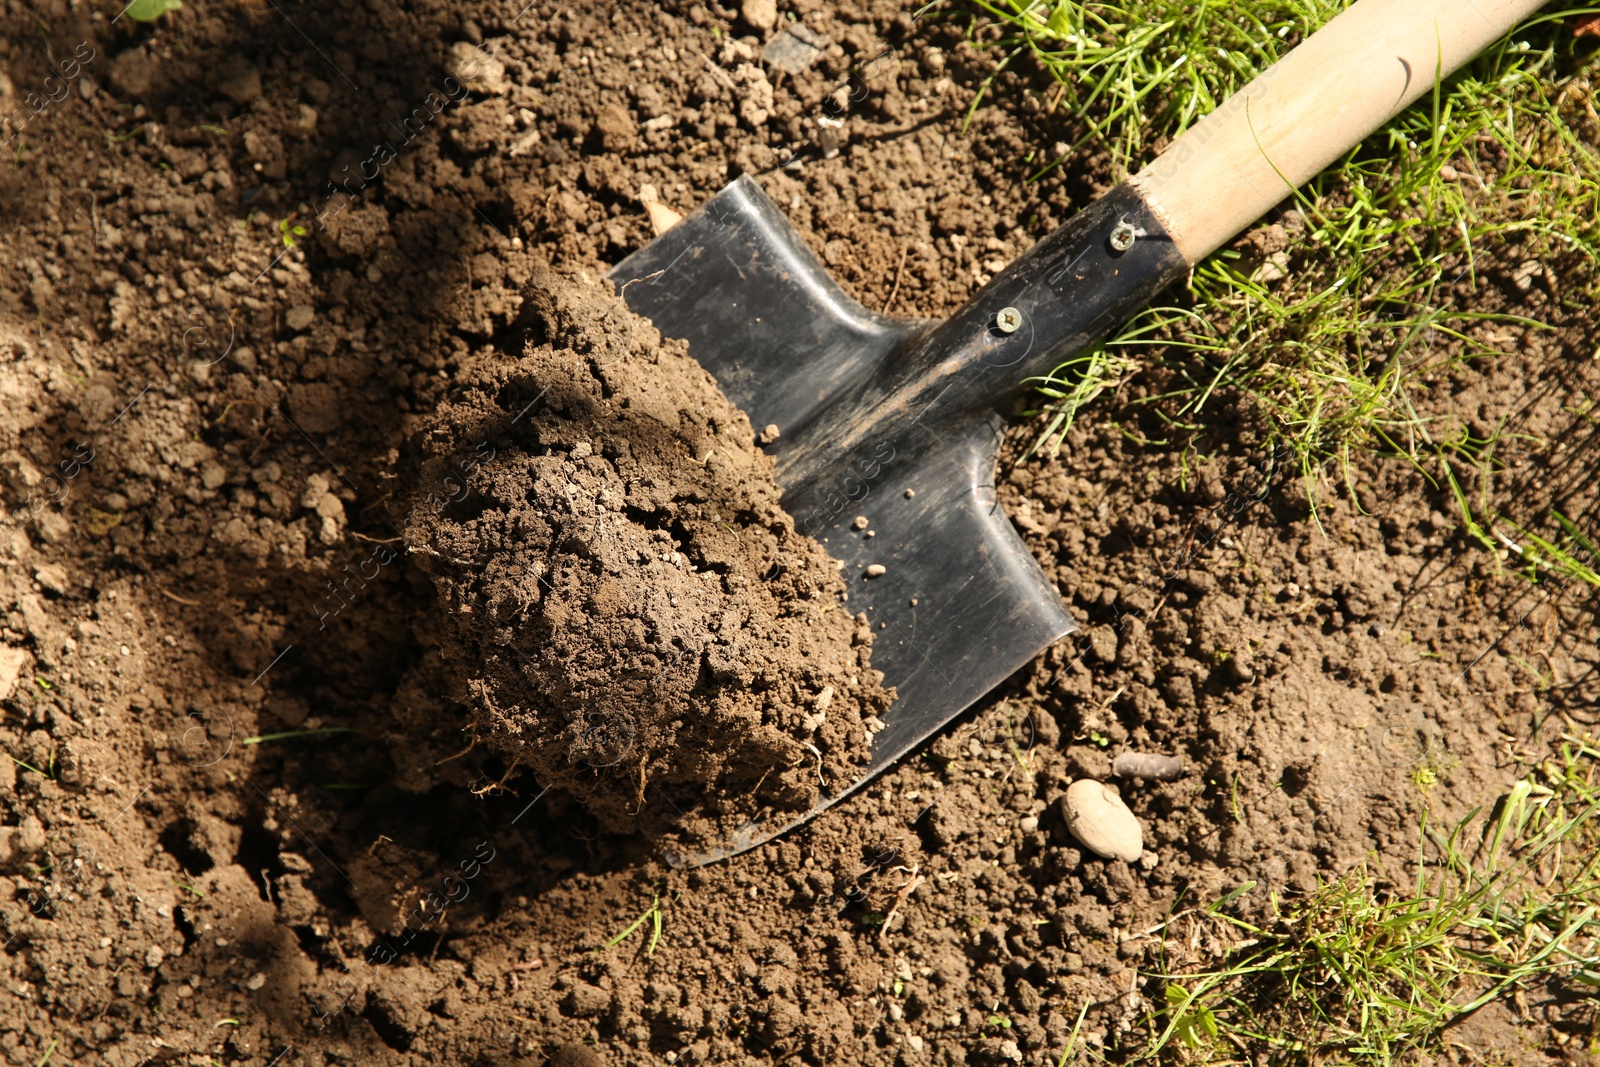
(1336, 321)
(652, 915)
(1353, 973)
(1140, 73)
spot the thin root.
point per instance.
(515, 763)
(817, 753)
(900, 897)
(470, 746)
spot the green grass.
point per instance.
(1507, 901)
(652, 915)
(1140, 73)
(1562, 552)
(48, 772)
(1376, 292)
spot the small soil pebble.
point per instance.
(1101, 822)
(599, 530)
(877, 570)
(759, 14)
(1148, 765)
(477, 68)
(795, 49)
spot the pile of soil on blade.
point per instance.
(627, 607)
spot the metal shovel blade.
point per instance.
(960, 603)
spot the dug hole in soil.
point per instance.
(274, 274)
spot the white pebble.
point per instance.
(1098, 818)
(877, 570)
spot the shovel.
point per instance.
(898, 420)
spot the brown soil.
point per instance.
(629, 611)
(208, 439)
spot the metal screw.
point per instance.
(1122, 237)
(1009, 320)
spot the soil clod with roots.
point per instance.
(629, 611)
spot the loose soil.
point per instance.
(256, 257)
(629, 612)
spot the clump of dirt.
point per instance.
(627, 607)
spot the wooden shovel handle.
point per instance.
(1303, 112)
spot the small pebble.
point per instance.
(759, 14)
(153, 957)
(1155, 766)
(860, 523)
(478, 69)
(870, 533)
(256, 981)
(910, 493)
(53, 577)
(1449, 173)
(877, 570)
(662, 219)
(1028, 823)
(1098, 818)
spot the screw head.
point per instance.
(1008, 319)
(1122, 237)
